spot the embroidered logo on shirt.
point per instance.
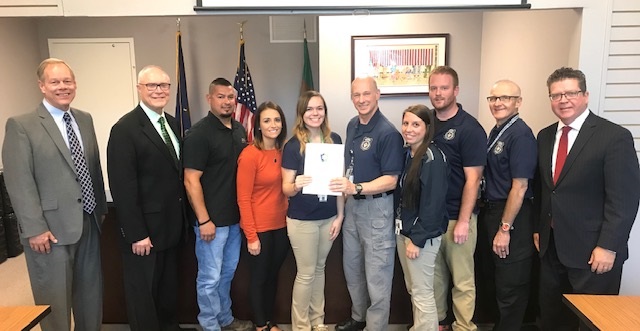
(449, 135)
(366, 143)
(499, 148)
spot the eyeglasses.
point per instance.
(569, 95)
(503, 98)
(153, 86)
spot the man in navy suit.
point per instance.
(145, 177)
(586, 202)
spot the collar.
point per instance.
(152, 115)
(372, 122)
(218, 123)
(577, 123)
(56, 113)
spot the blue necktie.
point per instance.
(82, 171)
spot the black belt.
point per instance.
(491, 204)
(374, 196)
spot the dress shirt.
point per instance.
(57, 115)
(576, 125)
(154, 117)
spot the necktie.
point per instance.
(561, 156)
(82, 171)
(167, 139)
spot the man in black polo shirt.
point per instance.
(504, 225)
(211, 150)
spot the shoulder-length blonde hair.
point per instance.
(300, 130)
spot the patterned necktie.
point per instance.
(167, 140)
(82, 171)
(561, 156)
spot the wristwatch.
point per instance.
(506, 227)
(358, 189)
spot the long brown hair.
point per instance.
(300, 130)
(411, 187)
(258, 141)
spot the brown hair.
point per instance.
(258, 141)
(300, 130)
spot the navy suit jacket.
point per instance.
(595, 201)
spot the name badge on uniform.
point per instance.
(322, 197)
(398, 226)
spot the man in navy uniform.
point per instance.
(374, 159)
(504, 222)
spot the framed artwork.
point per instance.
(400, 64)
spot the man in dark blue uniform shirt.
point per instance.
(463, 141)
(504, 219)
(374, 159)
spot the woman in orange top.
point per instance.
(263, 209)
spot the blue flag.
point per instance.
(182, 100)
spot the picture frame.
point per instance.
(400, 64)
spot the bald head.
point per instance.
(504, 100)
(507, 86)
(365, 96)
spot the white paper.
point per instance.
(323, 162)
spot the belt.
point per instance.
(490, 204)
(373, 196)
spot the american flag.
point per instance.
(246, 103)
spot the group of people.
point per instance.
(430, 192)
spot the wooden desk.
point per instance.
(606, 312)
(22, 317)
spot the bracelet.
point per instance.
(203, 223)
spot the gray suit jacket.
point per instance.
(41, 178)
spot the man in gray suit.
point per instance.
(53, 175)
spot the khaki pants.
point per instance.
(455, 262)
(418, 277)
(311, 245)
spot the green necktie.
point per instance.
(167, 139)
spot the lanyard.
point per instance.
(504, 128)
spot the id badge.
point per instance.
(322, 197)
(398, 226)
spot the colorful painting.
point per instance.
(399, 64)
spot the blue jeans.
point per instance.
(217, 262)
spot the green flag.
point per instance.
(307, 75)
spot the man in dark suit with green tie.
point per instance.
(145, 177)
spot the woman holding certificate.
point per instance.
(263, 209)
(421, 213)
(313, 221)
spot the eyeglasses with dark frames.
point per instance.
(503, 98)
(569, 95)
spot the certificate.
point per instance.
(323, 162)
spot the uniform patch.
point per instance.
(366, 143)
(499, 148)
(449, 135)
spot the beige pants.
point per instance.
(418, 277)
(311, 245)
(455, 262)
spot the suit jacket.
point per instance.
(145, 182)
(595, 201)
(41, 177)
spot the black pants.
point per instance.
(274, 247)
(509, 279)
(557, 279)
(150, 286)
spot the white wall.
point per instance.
(19, 59)
(506, 56)
(210, 45)
(335, 58)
